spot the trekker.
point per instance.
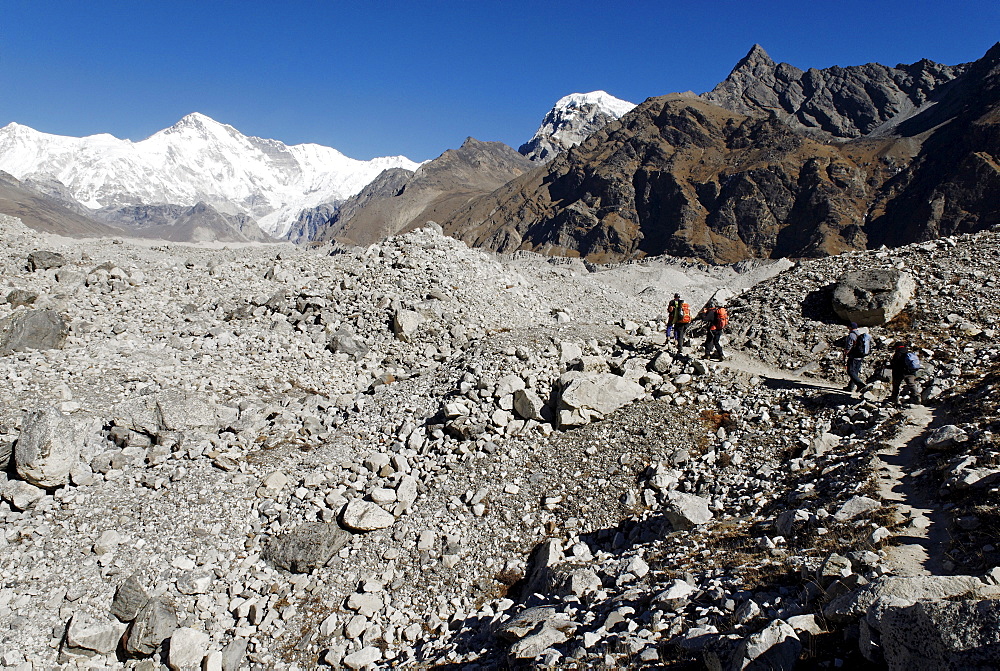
(858, 346)
(904, 365)
(718, 320)
(678, 320)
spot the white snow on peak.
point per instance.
(196, 159)
(571, 120)
(615, 107)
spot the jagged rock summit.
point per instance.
(571, 120)
(840, 102)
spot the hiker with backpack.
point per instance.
(718, 319)
(857, 347)
(678, 320)
(905, 366)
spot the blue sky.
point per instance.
(374, 78)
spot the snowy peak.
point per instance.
(571, 120)
(198, 159)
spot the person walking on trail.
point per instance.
(905, 365)
(857, 347)
(678, 320)
(718, 319)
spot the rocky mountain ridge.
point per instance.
(683, 177)
(837, 102)
(397, 456)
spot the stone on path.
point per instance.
(43, 260)
(93, 634)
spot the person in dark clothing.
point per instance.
(904, 365)
(713, 347)
(854, 358)
(678, 320)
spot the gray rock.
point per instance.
(944, 437)
(534, 644)
(585, 397)
(129, 598)
(872, 297)
(20, 298)
(405, 323)
(92, 634)
(188, 648)
(21, 495)
(531, 619)
(364, 658)
(359, 515)
(528, 404)
(32, 330)
(345, 342)
(307, 546)
(233, 654)
(684, 511)
(47, 449)
(900, 591)
(43, 260)
(942, 635)
(855, 507)
(155, 622)
(775, 648)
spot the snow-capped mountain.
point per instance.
(571, 120)
(196, 160)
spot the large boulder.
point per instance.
(32, 329)
(942, 635)
(171, 411)
(155, 622)
(684, 511)
(307, 546)
(48, 447)
(585, 397)
(43, 260)
(872, 297)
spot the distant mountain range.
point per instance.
(774, 161)
(197, 160)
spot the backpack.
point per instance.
(863, 345)
(721, 318)
(685, 314)
(911, 363)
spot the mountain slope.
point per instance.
(398, 202)
(195, 160)
(571, 120)
(43, 213)
(679, 175)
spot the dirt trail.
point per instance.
(919, 549)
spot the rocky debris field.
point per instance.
(416, 454)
